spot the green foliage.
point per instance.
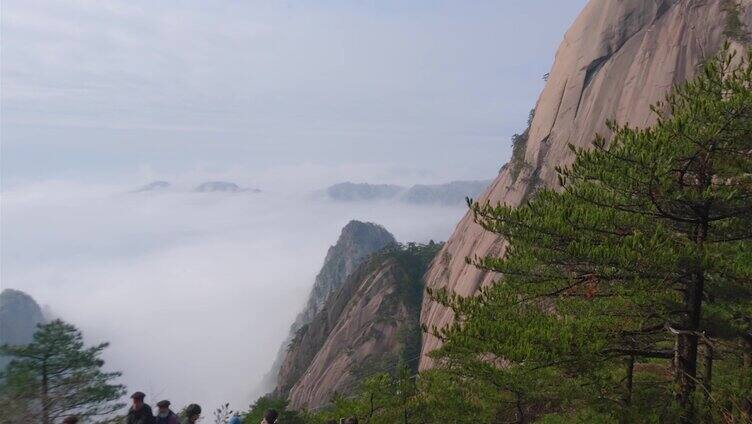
(430, 397)
(626, 295)
(584, 416)
(56, 376)
(735, 28)
(262, 404)
(519, 144)
(413, 259)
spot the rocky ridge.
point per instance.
(370, 325)
(357, 241)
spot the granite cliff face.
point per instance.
(19, 316)
(370, 325)
(618, 58)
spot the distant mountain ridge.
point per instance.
(153, 186)
(452, 193)
(205, 187)
(221, 186)
(348, 191)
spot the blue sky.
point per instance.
(142, 89)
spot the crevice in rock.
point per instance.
(558, 107)
(663, 7)
(590, 72)
(534, 182)
(597, 64)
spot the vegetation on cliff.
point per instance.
(370, 325)
(626, 296)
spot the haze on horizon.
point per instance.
(100, 97)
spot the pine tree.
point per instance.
(628, 291)
(434, 396)
(56, 375)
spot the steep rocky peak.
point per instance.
(358, 237)
(364, 233)
(369, 325)
(356, 242)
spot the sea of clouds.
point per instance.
(195, 291)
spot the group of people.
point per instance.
(141, 413)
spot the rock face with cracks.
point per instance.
(618, 58)
(368, 326)
(357, 241)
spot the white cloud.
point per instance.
(194, 291)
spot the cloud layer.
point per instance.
(195, 291)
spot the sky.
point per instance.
(108, 89)
(196, 291)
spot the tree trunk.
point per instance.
(686, 371)
(707, 380)
(747, 354)
(707, 376)
(686, 366)
(629, 383)
(45, 396)
(521, 418)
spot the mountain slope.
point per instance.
(357, 241)
(618, 58)
(19, 316)
(370, 325)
